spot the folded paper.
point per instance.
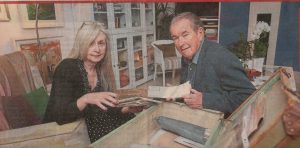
(169, 92)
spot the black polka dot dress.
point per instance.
(99, 122)
(104, 122)
(70, 82)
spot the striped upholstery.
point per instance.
(172, 63)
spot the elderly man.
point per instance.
(217, 77)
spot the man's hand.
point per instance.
(193, 100)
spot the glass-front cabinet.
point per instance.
(100, 13)
(120, 18)
(150, 54)
(131, 30)
(136, 14)
(138, 57)
(149, 14)
(122, 61)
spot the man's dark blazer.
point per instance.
(220, 77)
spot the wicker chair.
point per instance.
(170, 63)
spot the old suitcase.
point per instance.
(142, 130)
(258, 121)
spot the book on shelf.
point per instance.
(209, 18)
(117, 22)
(210, 23)
(212, 37)
(211, 33)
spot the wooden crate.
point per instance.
(73, 135)
(141, 129)
(262, 110)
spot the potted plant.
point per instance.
(259, 39)
(241, 48)
(259, 44)
(163, 15)
(253, 53)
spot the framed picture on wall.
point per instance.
(4, 13)
(45, 57)
(49, 15)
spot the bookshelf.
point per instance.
(211, 26)
(131, 30)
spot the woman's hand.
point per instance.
(98, 98)
(134, 109)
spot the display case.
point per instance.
(136, 12)
(150, 54)
(138, 57)
(119, 15)
(131, 30)
(123, 63)
(149, 14)
(100, 13)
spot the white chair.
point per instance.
(166, 63)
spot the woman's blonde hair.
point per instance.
(85, 37)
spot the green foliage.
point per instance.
(260, 49)
(241, 48)
(163, 16)
(261, 46)
(46, 12)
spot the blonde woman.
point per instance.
(82, 85)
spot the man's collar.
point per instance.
(196, 56)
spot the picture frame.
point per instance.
(4, 13)
(27, 15)
(50, 54)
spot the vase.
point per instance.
(255, 63)
(258, 64)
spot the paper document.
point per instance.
(169, 92)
